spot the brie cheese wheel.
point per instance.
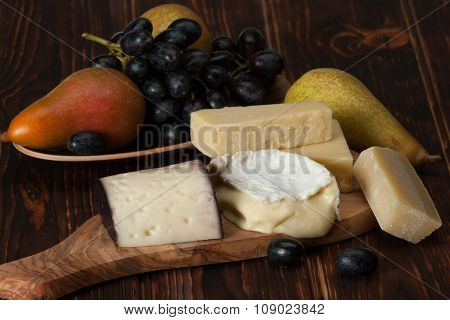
(271, 191)
(159, 206)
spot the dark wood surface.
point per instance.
(42, 202)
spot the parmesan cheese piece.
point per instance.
(334, 155)
(397, 196)
(217, 132)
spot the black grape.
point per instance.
(174, 133)
(248, 90)
(223, 43)
(87, 143)
(107, 61)
(179, 84)
(136, 42)
(175, 36)
(153, 89)
(139, 23)
(192, 106)
(195, 59)
(250, 40)
(266, 63)
(137, 69)
(216, 99)
(215, 76)
(165, 110)
(165, 56)
(223, 58)
(190, 27)
(116, 37)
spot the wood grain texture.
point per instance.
(42, 202)
(89, 255)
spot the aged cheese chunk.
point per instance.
(271, 191)
(396, 194)
(334, 155)
(225, 131)
(159, 206)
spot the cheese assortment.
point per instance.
(396, 194)
(272, 191)
(217, 132)
(275, 169)
(334, 154)
(159, 206)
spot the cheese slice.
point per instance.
(335, 155)
(159, 206)
(397, 196)
(271, 191)
(217, 132)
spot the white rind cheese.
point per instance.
(160, 206)
(273, 175)
(300, 200)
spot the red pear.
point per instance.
(102, 100)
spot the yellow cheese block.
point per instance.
(217, 132)
(310, 218)
(334, 155)
(397, 196)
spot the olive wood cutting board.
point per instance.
(89, 256)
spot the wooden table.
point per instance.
(42, 202)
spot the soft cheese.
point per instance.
(335, 155)
(217, 132)
(159, 206)
(397, 196)
(271, 191)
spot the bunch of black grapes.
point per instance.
(177, 81)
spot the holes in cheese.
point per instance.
(159, 206)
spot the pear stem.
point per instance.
(3, 137)
(432, 158)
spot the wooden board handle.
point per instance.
(89, 256)
(53, 272)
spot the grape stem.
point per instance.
(239, 69)
(113, 47)
(200, 80)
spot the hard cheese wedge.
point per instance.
(159, 206)
(226, 131)
(271, 191)
(396, 194)
(334, 155)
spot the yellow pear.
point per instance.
(163, 15)
(364, 119)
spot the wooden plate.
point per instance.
(102, 157)
(89, 256)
